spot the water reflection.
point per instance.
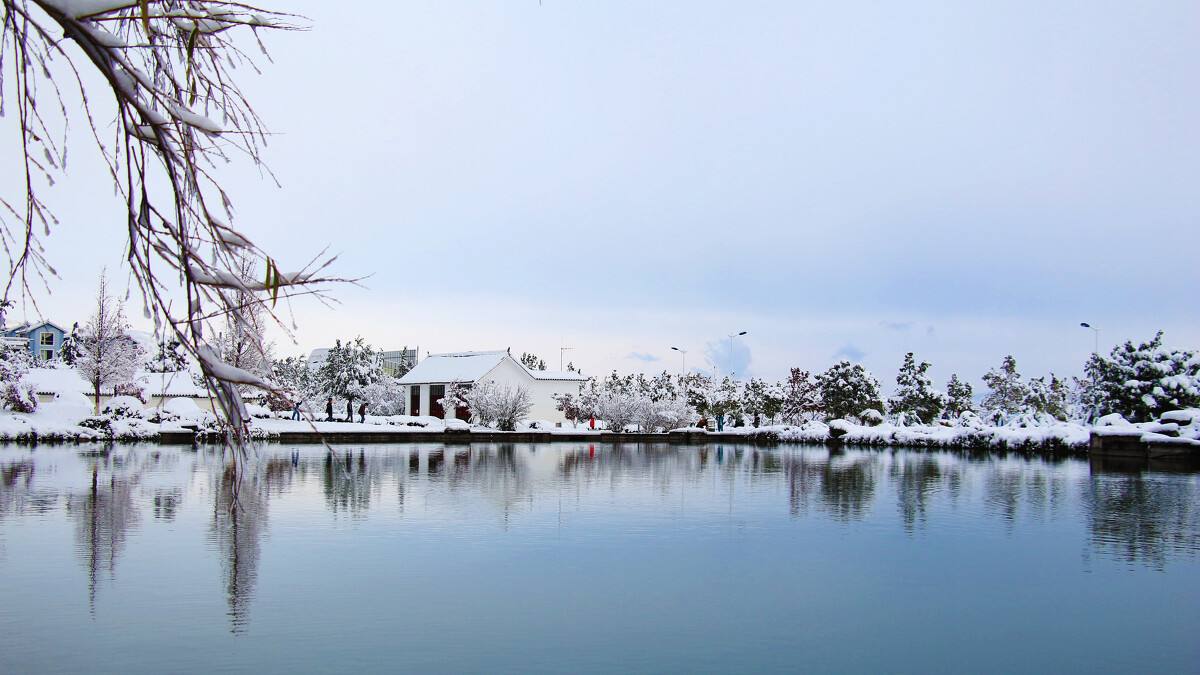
(1142, 519)
(103, 517)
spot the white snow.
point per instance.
(455, 367)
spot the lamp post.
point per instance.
(1095, 355)
(683, 366)
(731, 336)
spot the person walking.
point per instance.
(362, 413)
(329, 410)
(296, 411)
(349, 410)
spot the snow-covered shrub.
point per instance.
(569, 406)
(385, 397)
(871, 417)
(130, 389)
(454, 399)
(170, 358)
(256, 411)
(959, 397)
(503, 405)
(123, 407)
(20, 397)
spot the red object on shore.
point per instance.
(592, 422)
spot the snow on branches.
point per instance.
(178, 115)
(107, 355)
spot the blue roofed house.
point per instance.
(43, 340)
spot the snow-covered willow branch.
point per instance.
(168, 65)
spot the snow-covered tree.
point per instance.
(727, 399)
(349, 369)
(454, 399)
(531, 361)
(157, 80)
(385, 396)
(70, 347)
(571, 367)
(959, 397)
(1143, 381)
(296, 380)
(169, 358)
(801, 397)
(503, 404)
(761, 399)
(569, 406)
(915, 396)
(1048, 397)
(848, 389)
(18, 396)
(700, 391)
(1006, 392)
(242, 342)
(108, 356)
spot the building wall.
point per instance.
(54, 336)
(541, 392)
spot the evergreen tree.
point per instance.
(848, 389)
(1049, 398)
(1143, 381)
(915, 395)
(959, 397)
(293, 375)
(71, 350)
(801, 397)
(349, 369)
(755, 400)
(1007, 393)
(531, 361)
(170, 357)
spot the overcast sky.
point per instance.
(838, 179)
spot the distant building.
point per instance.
(44, 340)
(426, 383)
(395, 362)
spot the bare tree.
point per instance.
(107, 355)
(168, 64)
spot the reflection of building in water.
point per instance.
(103, 516)
(1142, 518)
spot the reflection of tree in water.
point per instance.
(804, 474)
(1144, 519)
(847, 488)
(1034, 487)
(500, 475)
(239, 522)
(350, 481)
(104, 516)
(916, 478)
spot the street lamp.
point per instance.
(683, 366)
(731, 336)
(1095, 355)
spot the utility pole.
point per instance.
(561, 351)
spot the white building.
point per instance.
(427, 382)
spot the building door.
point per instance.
(436, 393)
(414, 400)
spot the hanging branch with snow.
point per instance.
(168, 64)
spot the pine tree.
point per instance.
(759, 400)
(108, 356)
(848, 389)
(70, 350)
(1049, 398)
(531, 361)
(801, 397)
(170, 357)
(915, 395)
(959, 397)
(1007, 393)
(1143, 381)
(349, 369)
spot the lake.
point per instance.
(592, 558)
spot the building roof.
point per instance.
(25, 328)
(454, 367)
(564, 375)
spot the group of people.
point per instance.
(362, 411)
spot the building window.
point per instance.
(436, 393)
(414, 400)
(47, 354)
(47, 339)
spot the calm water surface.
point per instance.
(571, 557)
